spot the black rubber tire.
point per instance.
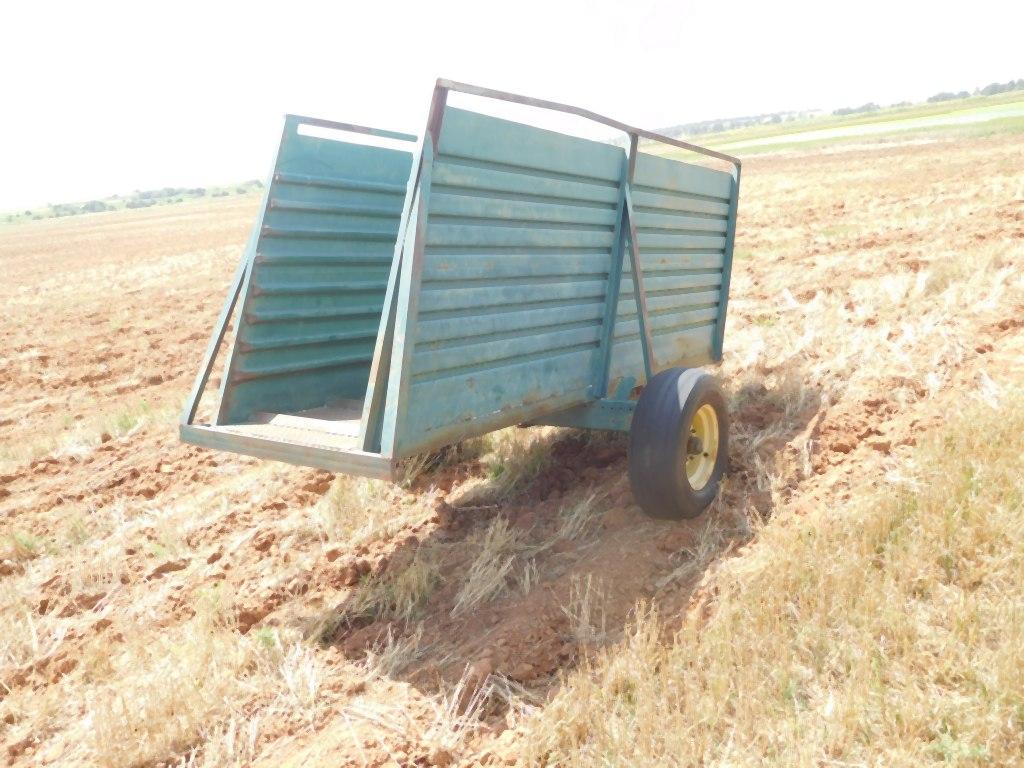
(658, 438)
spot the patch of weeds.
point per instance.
(515, 459)
(586, 610)
(395, 654)
(954, 751)
(125, 421)
(24, 546)
(357, 510)
(215, 604)
(266, 638)
(579, 518)
(395, 595)
(488, 575)
(76, 533)
(418, 467)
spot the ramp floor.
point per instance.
(341, 420)
(334, 427)
(326, 437)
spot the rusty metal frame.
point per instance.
(730, 241)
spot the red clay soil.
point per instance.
(111, 310)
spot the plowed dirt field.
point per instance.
(163, 604)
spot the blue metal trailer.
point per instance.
(392, 301)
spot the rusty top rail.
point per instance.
(319, 122)
(475, 90)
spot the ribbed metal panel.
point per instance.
(517, 252)
(313, 303)
(681, 216)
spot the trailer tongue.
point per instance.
(395, 300)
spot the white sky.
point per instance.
(106, 97)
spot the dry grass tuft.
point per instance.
(357, 510)
(395, 654)
(586, 610)
(580, 517)
(27, 636)
(458, 712)
(890, 631)
(512, 460)
(166, 692)
(417, 467)
(488, 575)
(529, 577)
(395, 594)
(162, 692)
(444, 728)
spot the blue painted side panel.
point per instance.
(312, 308)
(517, 249)
(681, 216)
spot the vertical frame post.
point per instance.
(238, 292)
(192, 404)
(290, 126)
(436, 117)
(373, 402)
(639, 293)
(611, 307)
(407, 293)
(407, 310)
(730, 238)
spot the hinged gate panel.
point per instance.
(312, 306)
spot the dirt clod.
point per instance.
(440, 757)
(169, 566)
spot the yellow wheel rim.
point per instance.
(702, 447)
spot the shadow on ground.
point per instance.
(577, 558)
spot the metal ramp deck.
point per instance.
(326, 438)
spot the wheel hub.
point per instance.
(702, 447)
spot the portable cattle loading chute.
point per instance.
(395, 302)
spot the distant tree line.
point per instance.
(989, 90)
(137, 199)
(730, 123)
(948, 96)
(148, 197)
(863, 108)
